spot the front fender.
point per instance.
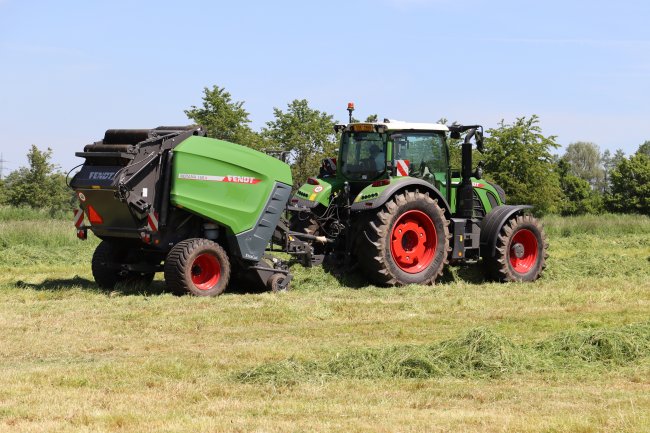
(310, 195)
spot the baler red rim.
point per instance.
(206, 271)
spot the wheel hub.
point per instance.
(413, 241)
(518, 250)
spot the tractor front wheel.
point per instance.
(405, 242)
(198, 266)
(521, 250)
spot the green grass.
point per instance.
(566, 353)
(12, 213)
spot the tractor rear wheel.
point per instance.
(198, 266)
(106, 258)
(306, 223)
(405, 242)
(521, 250)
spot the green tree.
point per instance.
(518, 157)
(372, 118)
(40, 185)
(3, 192)
(609, 163)
(644, 148)
(579, 197)
(307, 133)
(224, 118)
(585, 162)
(630, 185)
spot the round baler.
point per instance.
(170, 199)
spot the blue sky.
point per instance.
(72, 69)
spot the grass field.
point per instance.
(569, 353)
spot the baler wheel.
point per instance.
(198, 266)
(274, 281)
(521, 250)
(106, 256)
(405, 242)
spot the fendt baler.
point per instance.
(170, 199)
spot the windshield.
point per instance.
(363, 155)
(425, 155)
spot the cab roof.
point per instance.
(398, 125)
(392, 125)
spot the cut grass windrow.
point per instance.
(481, 353)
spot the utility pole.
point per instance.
(2, 166)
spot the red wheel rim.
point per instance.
(413, 241)
(206, 271)
(523, 251)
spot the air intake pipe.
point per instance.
(465, 208)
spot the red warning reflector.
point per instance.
(93, 216)
(152, 221)
(402, 167)
(78, 217)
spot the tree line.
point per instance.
(518, 156)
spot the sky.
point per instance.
(69, 70)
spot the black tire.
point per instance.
(197, 266)
(521, 251)
(106, 256)
(381, 234)
(304, 222)
(274, 281)
(500, 191)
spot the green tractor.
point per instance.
(391, 203)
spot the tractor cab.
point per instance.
(373, 155)
(372, 152)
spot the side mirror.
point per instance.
(479, 141)
(455, 135)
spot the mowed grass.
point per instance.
(569, 352)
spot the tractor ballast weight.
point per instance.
(170, 199)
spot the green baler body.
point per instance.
(225, 182)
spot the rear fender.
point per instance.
(378, 196)
(492, 223)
